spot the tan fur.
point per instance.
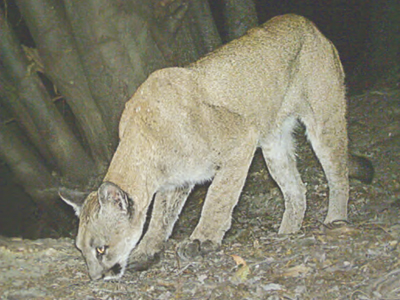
(188, 125)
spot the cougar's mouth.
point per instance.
(115, 272)
(116, 269)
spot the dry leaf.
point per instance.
(239, 261)
(243, 271)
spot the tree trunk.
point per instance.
(239, 16)
(31, 173)
(25, 164)
(57, 49)
(9, 96)
(203, 27)
(106, 62)
(68, 154)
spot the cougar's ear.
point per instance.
(110, 194)
(73, 198)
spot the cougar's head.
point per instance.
(109, 228)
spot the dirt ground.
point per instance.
(358, 260)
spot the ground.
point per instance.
(354, 260)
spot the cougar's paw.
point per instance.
(192, 248)
(143, 262)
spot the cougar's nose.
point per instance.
(95, 271)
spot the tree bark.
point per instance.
(9, 96)
(68, 154)
(239, 16)
(203, 27)
(51, 32)
(25, 164)
(106, 62)
(183, 31)
(38, 182)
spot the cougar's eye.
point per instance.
(101, 250)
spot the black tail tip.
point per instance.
(361, 168)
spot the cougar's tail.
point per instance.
(360, 168)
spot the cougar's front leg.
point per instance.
(222, 196)
(166, 209)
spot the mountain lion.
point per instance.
(185, 126)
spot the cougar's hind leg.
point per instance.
(279, 154)
(328, 137)
(324, 115)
